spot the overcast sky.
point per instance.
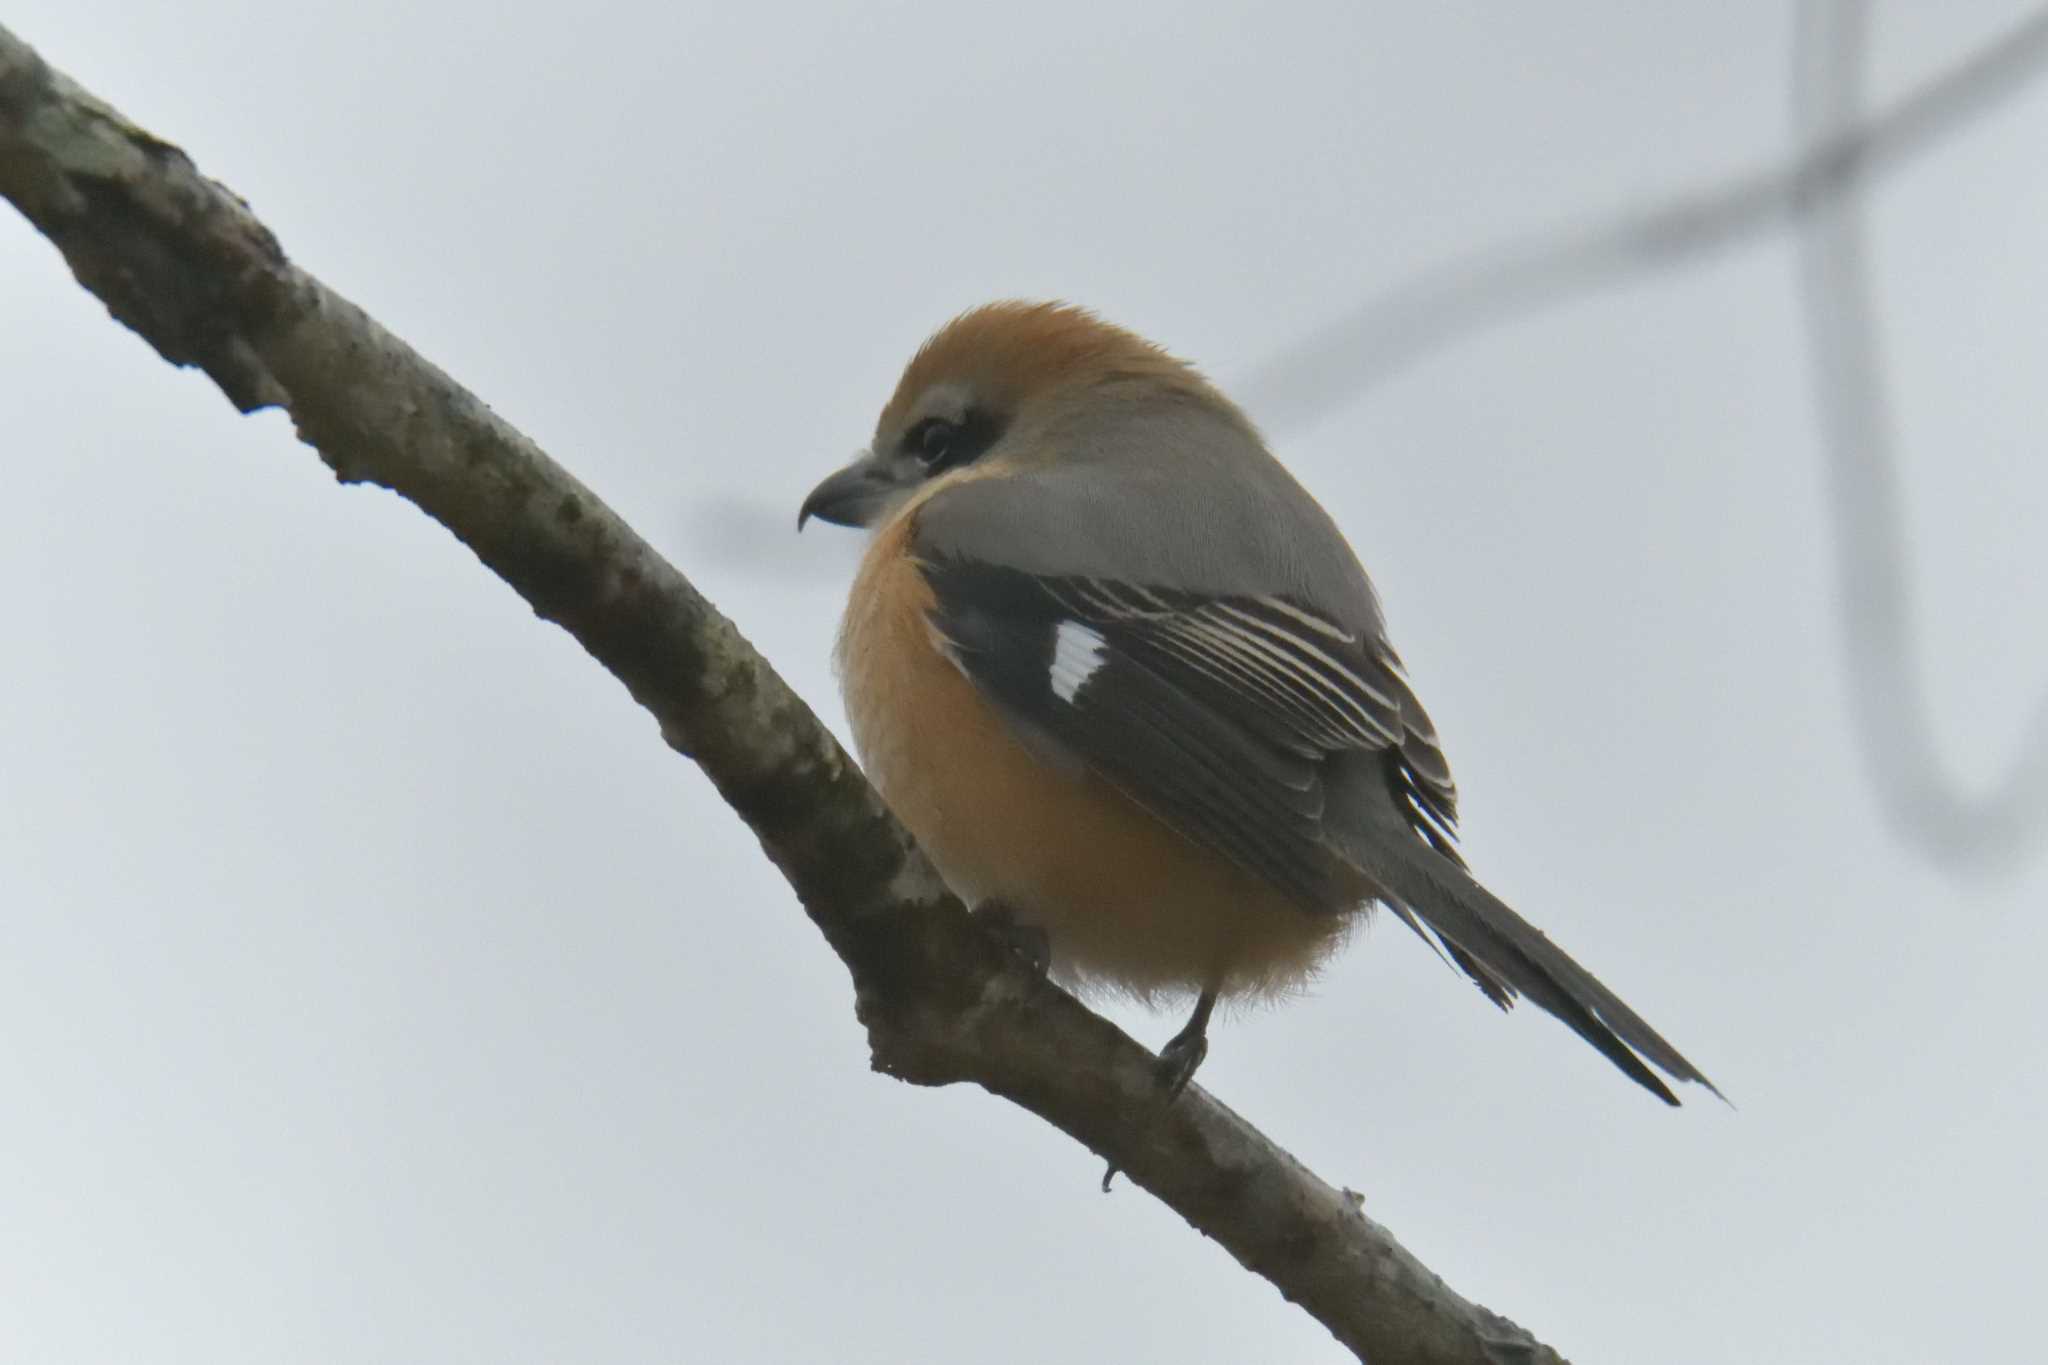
(375, 986)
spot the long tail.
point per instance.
(1506, 955)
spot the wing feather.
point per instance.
(1215, 714)
(1243, 722)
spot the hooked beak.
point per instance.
(853, 496)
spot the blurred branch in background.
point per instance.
(1331, 366)
(1952, 828)
(1891, 709)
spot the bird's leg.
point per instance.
(1184, 1052)
(1178, 1060)
(1028, 941)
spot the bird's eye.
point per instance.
(933, 442)
(942, 443)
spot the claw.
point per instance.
(1178, 1062)
(1183, 1053)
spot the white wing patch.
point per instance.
(1077, 652)
(1293, 660)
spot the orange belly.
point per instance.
(1128, 903)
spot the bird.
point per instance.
(1128, 686)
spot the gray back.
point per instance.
(1156, 489)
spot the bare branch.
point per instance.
(186, 265)
(1312, 377)
(1887, 697)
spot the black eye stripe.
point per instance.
(940, 443)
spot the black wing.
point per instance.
(1239, 721)
(1216, 714)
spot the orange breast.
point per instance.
(1129, 903)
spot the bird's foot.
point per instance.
(1178, 1061)
(1028, 941)
(1184, 1052)
(1175, 1067)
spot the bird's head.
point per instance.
(994, 386)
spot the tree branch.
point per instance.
(186, 265)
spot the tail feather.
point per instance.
(1506, 955)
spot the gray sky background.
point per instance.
(376, 987)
